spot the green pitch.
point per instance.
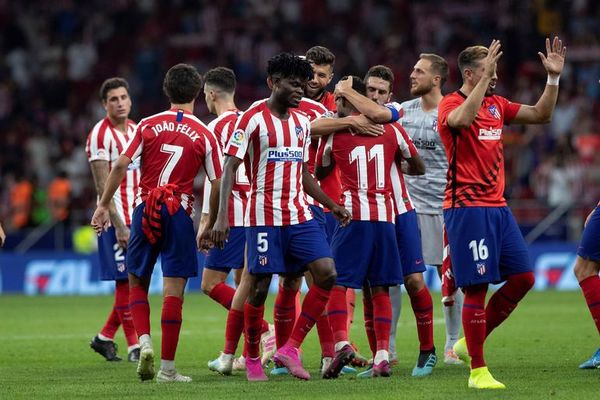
(44, 353)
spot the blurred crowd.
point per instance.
(54, 55)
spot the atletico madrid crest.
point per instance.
(263, 260)
(494, 111)
(299, 132)
(481, 268)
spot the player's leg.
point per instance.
(213, 284)
(254, 310)
(413, 265)
(587, 267)
(122, 307)
(452, 311)
(475, 239)
(284, 308)
(103, 343)
(515, 269)
(307, 248)
(395, 294)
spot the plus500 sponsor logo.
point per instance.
(284, 153)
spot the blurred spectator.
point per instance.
(59, 195)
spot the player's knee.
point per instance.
(258, 293)
(526, 281)
(585, 268)
(414, 283)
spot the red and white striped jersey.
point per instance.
(106, 143)
(365, 164)
(273, 151)
(402, 200)
(173, 145)
(222, 127)
(314, 110)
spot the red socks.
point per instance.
(474, 321)
(312, 310)
(325, 336)
(351, 303)
(170, 323)
(369, 328)
(111, 325)
(422, 306)
(222, 294)
(233, 330)
(253, 317)
(284, 315)
(140, 310)
(122, 308)
(382, 319)
(505, 300)
(591, 291)
(338, 314)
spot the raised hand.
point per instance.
(364, 126)
(343, 86)
(490, 62)
(554, 60)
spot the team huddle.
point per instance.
(347, 190)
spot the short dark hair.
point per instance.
(110, 84)
(287, 65)
(439, 66)
(222, 78)
(357, 84)
(182, 84)
(320, 55)
(382, 72)
(469, 57)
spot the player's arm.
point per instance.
(413, 165)
(553, 62)
(100, 174)
(312, 188)
(373, 111)
(220, 228)
(357, 123)
(464, 115)
(2, 236)
(325, 162)
(101, 217)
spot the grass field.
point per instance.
(45, 354)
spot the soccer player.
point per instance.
(219, 92)
(486, 245)
(587, 267)
(376, 106)
(365, 251)
(281, 235)
(419, 119)
(105, 143)
(173, 145)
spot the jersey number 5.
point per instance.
(175, 153)
(359, 154)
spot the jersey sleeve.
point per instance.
(510, 109)
(213, 157)
(237, 146)
(206, 196)
(306, 150)
(97, 145)
(405, 144)
(445, 107)
(324, 156)
(136, 144)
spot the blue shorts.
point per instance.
(408, 238)
(366, 251)
(332, 225)
(231, 256)
(486, 245)
(177, 247)
(112, 257)
(285, 249)
(589, 247)
(319, 216)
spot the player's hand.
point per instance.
(364, 126)
(2, 236)
(100, 219)
(342, 215)
(490, 62)
(204, 241)
(220, 232)
(343, 86)
(554, 60)
(122, 234)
